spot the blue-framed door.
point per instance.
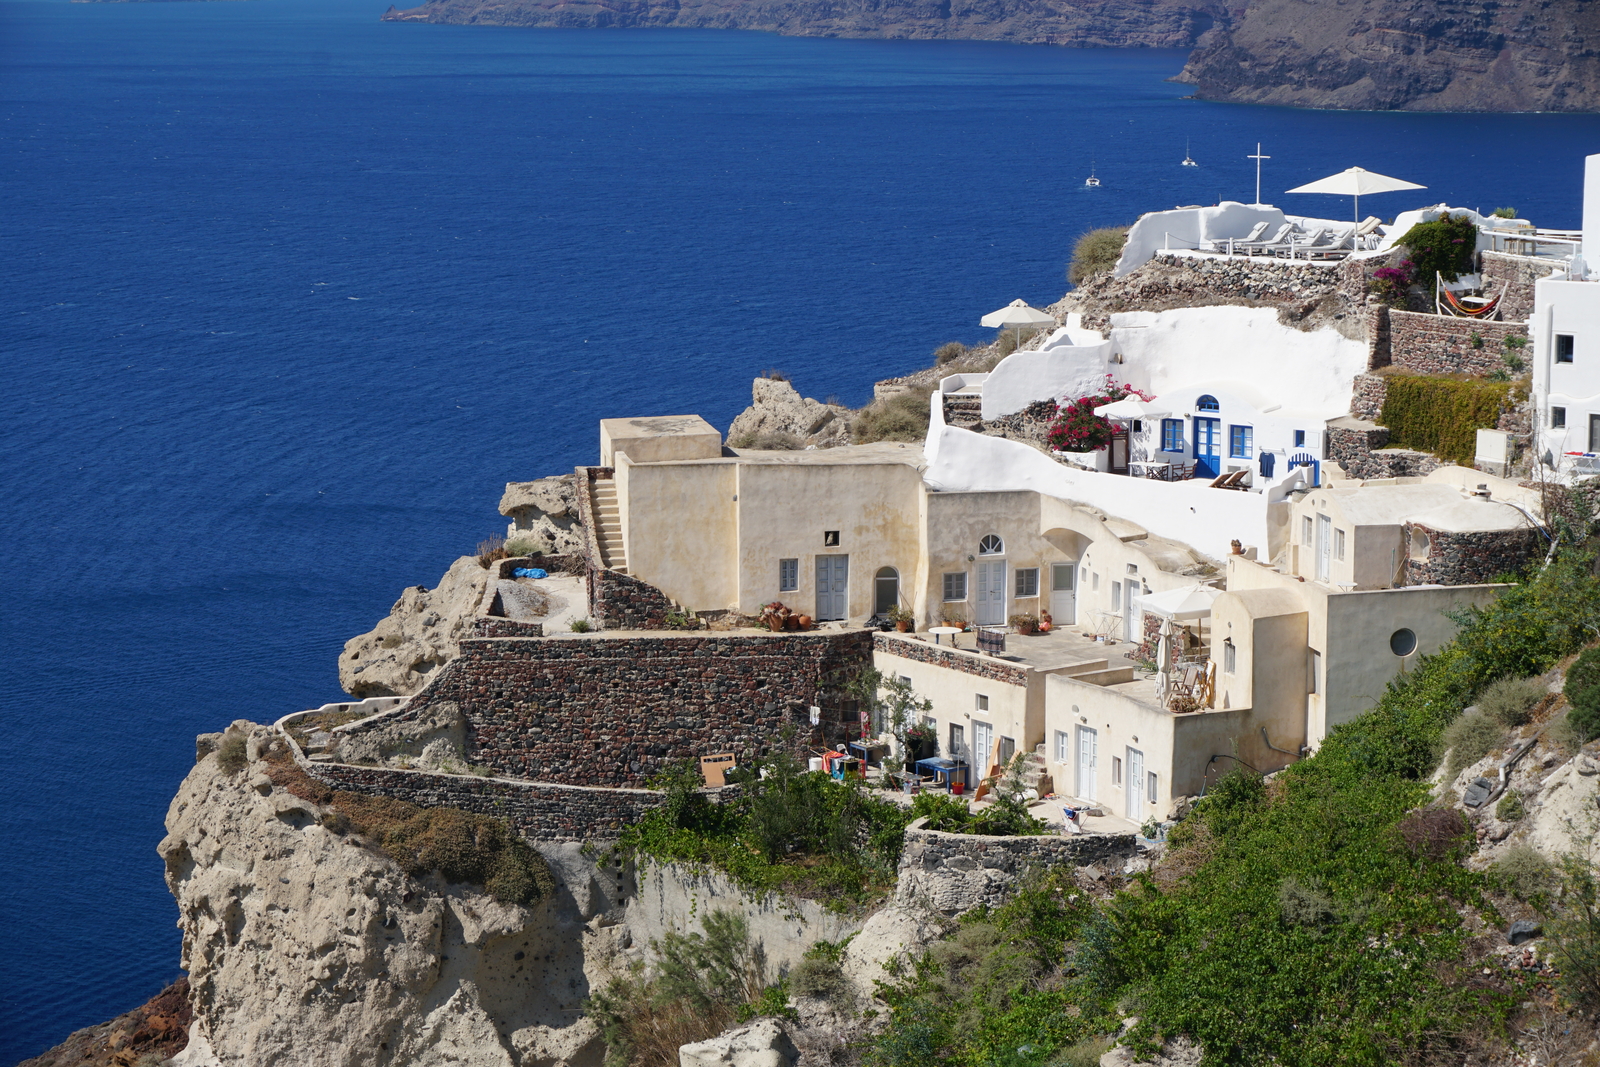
(1207, 447)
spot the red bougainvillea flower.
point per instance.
(1078, 429)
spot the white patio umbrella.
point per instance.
(1357, 183)
(1018, 314)
(1192, 602)
(1133, 408)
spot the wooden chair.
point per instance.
(714, 768)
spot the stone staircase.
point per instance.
(608, 526)
(963, 409)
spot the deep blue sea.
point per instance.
(287, 293)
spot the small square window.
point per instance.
(1299, 439)
(1229, 657)
(788, 575)
(1558, 418)
(955, 585)
(1027, 581)
(1338, 544)
(1563, 348)
(982, 703)
(830, 538)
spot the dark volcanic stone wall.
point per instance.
(614, 711)
(1442, 344)
(1513, 277)
(1469, 558)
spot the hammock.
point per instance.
(1451, 304)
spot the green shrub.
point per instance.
(1510, 807)
(232, 754)
(1582, 690)
(1085, 1053)
(1505, 212)
(1447, 245)
(903, 417)
(1096, 252)
(580, 626)
(1009, 340)
(821, 978)
(1574, 930)
(948, 353)
(524, 546)
(1470, 738)
(1524, 873)
(1509, 701)
(1442, 415)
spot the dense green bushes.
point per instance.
(1446, 245)
(1096, 252)
(1583, 693)
(1442, 415)
(793, 830)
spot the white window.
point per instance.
(1116, 770)
(788, 575)
(1027, 581)
(1316, 672)
(1228, 656)
(1151, 786)
(1063, 747)
(958, 742)
(1558, 418)
(982, 744)
(1095, 583)
(991, 546)
(1338, 544)
(1116, 596)
(1305, 530)
(955, 585)
(982, 703)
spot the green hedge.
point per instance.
(1442, 415)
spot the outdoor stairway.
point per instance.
(608, 526)
(963, 409)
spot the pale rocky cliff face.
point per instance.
(305, 948)
(1417, 55)
(778, 411)
(421, 633)
(545, 514)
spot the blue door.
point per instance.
(1207, 447)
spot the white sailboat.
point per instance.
(1187, 162)
(1091, 181)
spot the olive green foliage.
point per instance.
(1524, 873)
(232, 756)
(1005, 818)
(1510, 701)
(1470, 738)
(1510, 808)
(1446, 245)
(902, 417)
(1009, 340)
(461, 846)
(891, 704)
(1442, 415)
(1096, 252)
(1084, 1053)
(1583, 693)
(699, 984)
(1505, 212)
(1313, 920)
(792, 830)
(1574, 928)
(580, 626)
(820, 974)
(948, 353)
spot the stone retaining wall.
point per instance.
(954, 873)
(1469, 558)
(1366, 399)
(613, 711)
(1514, 277)
(1443, 344)
(622, 602)
(941, 656)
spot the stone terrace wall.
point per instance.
(613, 711)
(939, 656)
(622, 602)
(1469, 558)
(1514, 277)
(1366, 400)
(1442, 344)
(954, 873)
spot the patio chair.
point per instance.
(1338, 242)
(1224, 244)
(1292, 246)
(1253, 246)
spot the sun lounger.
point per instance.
(1229, 244)
(1255, 246)
(1337, 243)
(1298, 243)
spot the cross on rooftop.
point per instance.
(1258, 157)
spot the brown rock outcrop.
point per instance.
(1415, 55)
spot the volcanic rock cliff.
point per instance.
(1411, 55)
(1088, 24)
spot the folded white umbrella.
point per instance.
(1357, 183)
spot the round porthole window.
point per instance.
(1402, 642)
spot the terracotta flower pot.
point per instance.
(805, 622)
(775, 624)
(903, 625)
(791, 623)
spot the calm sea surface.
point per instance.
(286, 294)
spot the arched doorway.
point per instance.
(991, 600)
(886, 591)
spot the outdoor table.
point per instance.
(868, 750)
(943, 768)
(938, 632)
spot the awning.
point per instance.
(1133, 408)
(1193, 602)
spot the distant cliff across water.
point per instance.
(1393, 55)
(1091, 24)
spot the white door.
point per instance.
(833, 581)
(1324, 546)
(991, 592)
(982, 746)
(1064, 593)
(1088, 761)
(1133, 618)
(1135, 785)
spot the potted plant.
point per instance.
(921, 741)
(901, 618)
(775, 616)
(804, 621)
(1046, 623)
(1025, 622)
